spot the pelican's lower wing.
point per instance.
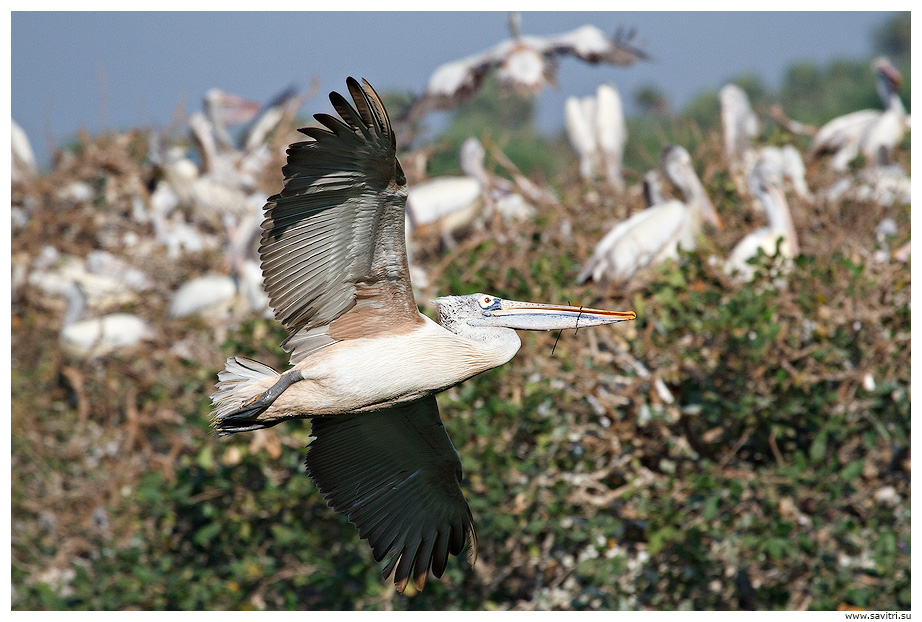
(395, 474)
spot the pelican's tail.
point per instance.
(242, 396)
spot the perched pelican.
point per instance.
(765, 183)
(335, 268)
(655, 234)
(212, 292)
(787, 161)
(226, 193)
(597, 133)
(883, 185)
(218, 294)
(24, 166)
(525, 64)
(55, 274)
(611, 132)
(451, 202)
(740, 125)
(579, 116)
(95, 337)
(873, 133)
(285, 104)
(223, 109)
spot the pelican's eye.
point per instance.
(487, 302)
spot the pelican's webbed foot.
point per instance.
(245, 418)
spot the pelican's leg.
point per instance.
(244, 418)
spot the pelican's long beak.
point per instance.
(710, 214)
(537, 316)
(784, 213)
(889, 72)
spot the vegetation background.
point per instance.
(769, 476)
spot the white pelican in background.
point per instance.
(596, 130)
(170, 228)
(335, 269)
(883, 184)
(785, 160)
(222, 160)
(95, 337)
(656, 233)
(765, 182)
(24, 166)
(450, 202)
(223, 109)
(579, 117)
(525, 64)
(54, 274)
(611, 132)
(740, 125)
(216, 295)
(224, 194)
(874, 133)
(212, 292)
(284, 105)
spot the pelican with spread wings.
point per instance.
(524, 64)
(366, 364)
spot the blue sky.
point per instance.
(99, 70)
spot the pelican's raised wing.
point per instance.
(454, 82)
(395, 474)
(333, 254)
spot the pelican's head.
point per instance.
(888, 74)
(765, 181)
(461, 314)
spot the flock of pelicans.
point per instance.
(327, 257)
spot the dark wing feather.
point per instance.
(337, 225)
(395, 474)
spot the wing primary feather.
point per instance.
(394, 474)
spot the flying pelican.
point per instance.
(335, 267)
(873, 133)
(525, 64)
(765, 183)
(654, 234)
(740, 124)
